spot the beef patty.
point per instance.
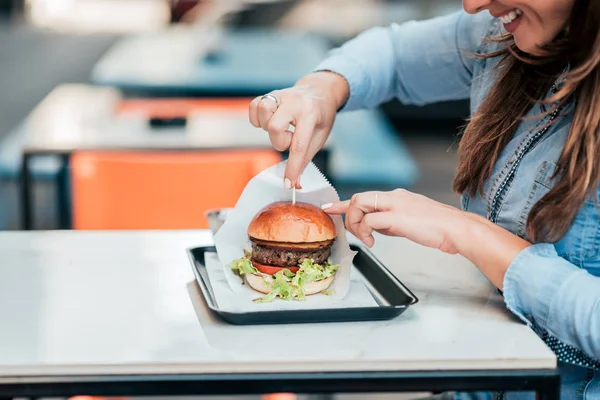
(287, 257)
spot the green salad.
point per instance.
(286, 284)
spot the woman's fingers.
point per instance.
(336, 208)
(379, 222)
(278, 118)
(267, 114)
(365, 212)
(253, 112)
(297, 119)
(353, 218)
(370, 202)
(278, 128)
(299, 156)
(367, 202)
(266, 108)
(260, 110)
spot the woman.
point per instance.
(527, 172)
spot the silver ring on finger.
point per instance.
(375, 204)
(270, 97)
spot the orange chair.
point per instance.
(159, 190)
(279, 396)
(165, 190)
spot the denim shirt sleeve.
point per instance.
(417, 62)
(546, 291)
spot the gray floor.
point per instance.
(33, 62)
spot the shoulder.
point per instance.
(475, 30)
(463, 31)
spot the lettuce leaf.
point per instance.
(286, 284)
(243, 265)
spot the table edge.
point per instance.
(253, 368)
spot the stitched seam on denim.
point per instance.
(580, 389)
(583, 256)
(497, 183)
(508, 180)
(458, 51)
(493, 209)
(494, 26)
(593, 251)
(591, 375)
(583, 232)
(493, 29)
(521, 227)
(496, 187)
(481, 66)
(535, 186)
(465, 201)
(524, 147)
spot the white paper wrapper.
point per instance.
(232, 239)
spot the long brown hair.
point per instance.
(524, 80)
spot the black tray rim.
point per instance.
(229, 316)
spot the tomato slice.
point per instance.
(272, 270)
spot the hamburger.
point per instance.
(290, 252)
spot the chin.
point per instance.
(526, 45)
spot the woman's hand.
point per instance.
(430, 223)
(400, 213)
(310, 106)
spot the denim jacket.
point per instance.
(553, 288)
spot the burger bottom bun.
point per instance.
(262, 284)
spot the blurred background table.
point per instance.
(188, 61)
(363, 148)
(100, 127)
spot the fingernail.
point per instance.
(287, 183)
(326, 206)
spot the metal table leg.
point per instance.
(26, 194)
(61, 192)
(550, 389)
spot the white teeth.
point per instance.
(511, 16)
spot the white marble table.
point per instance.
(123, 307)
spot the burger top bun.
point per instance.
(283, 221)
(262, 284)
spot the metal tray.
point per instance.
(392, 296)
